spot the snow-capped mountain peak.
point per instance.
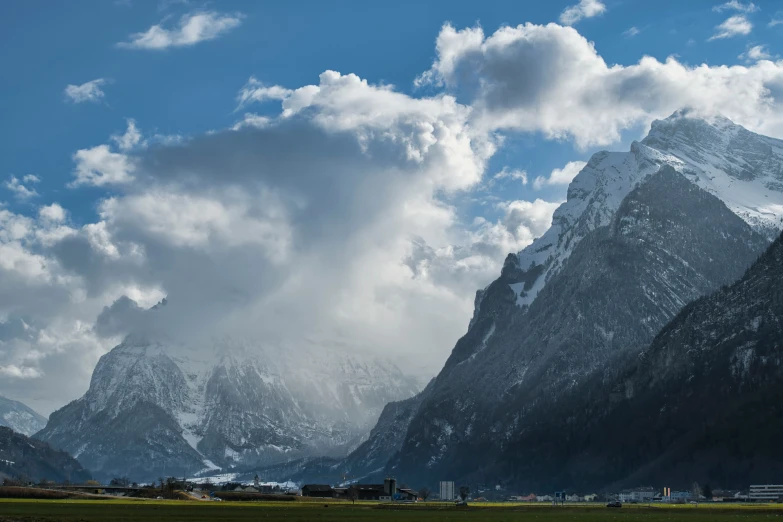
(739, 167)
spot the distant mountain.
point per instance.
(31, 459)
(366, 463)
(158, 408)
(643, 233)
(703, 402)
(19, 417)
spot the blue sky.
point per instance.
(192, 90)
(385, 159)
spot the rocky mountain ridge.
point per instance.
(156, 408)
(19, 417)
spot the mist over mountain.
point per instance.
(155, 408)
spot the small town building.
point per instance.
(407, 494)
(317, 490)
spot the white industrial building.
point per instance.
(637, 495)
(765, 493)
(447, 490)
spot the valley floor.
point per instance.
(147, 511)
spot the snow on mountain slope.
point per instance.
(19, 417)
(739, 167)
(641, 235)
(235, 404)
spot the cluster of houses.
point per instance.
(389, 492)
(386, 492)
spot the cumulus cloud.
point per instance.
(584, 9)
(100, 165)
(294, 232)
(20, 191)
(550, 79)
(736, 25)
(130, 139)
(86, 92)
(53, 213)
(562, 176)
(736, 5)
(755, 53)
(192, 28)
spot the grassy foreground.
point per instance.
(150, 510)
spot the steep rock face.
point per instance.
(365, 463)
(25, 458)
(155, 408)
(19, 417)
(701, 403)
(637, 240)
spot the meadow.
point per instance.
(122, 510)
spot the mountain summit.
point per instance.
(642, 233)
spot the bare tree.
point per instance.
(424, 493)
(353, 493)
(696, 492)
(464, 491)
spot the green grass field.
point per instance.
(150, 510)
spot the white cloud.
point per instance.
(736, 25)
(31, 178)
(631, 32)
(12, 370)
(550, 79)
(86, 92)
(775, 21)
(255, 91)
(295, 231)
(130, 139)
(52, 213)
(736, 5)
(584, 9)
(21, 192)
(562, 176)
(100, 166)
(512, 174)
(192, 28)
(755, 53)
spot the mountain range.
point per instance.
(636, 341)
(157, 409)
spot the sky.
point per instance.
(342, 174)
